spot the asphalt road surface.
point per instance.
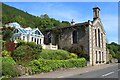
(110, 72)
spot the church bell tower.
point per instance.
(96, 13)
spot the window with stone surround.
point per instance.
(95, 37)
(99, 37)
(96, 57)
(102, 39)
(75, 36)
(100, 56)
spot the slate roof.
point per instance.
(75, 25)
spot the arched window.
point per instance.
(102, 39)
(100, 56)
(99, 37)
(95, 37)
(75, 36)
(96, 57)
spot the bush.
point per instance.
(110, 57)
(5, 53)
(23, 53)
(20, 43)
(86, 56)
(8, 70)
(79, 50)
(73, 55)
(36, 48)
(55, 54)
(42, 65)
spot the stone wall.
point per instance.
(66, 37)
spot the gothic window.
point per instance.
(100, 56)
(99, 37)
(102, 39)
(75, 36)
(96, 57)
(95, 38)
(49, 38)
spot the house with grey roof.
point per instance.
(90, 34)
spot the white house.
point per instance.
(28, 35)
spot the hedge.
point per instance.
(42, 65)
(57, 55)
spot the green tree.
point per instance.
(7, 33)
(112, 53)
(118, 54)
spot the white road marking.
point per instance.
(107, 74)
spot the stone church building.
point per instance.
(90, 34)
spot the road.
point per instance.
(109, 72)
(98, 71)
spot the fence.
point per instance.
(53, 47)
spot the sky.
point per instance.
(59, 0)
(79, 11)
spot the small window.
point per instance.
(40, 41)
(32, 39)
(37, 32)
(23, 37)
(16, 31)
(37, 41)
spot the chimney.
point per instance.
(72, 22)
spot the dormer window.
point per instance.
(16, 31)
(37, 32)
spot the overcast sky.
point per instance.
(79, 11)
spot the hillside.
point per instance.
(11, 14)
